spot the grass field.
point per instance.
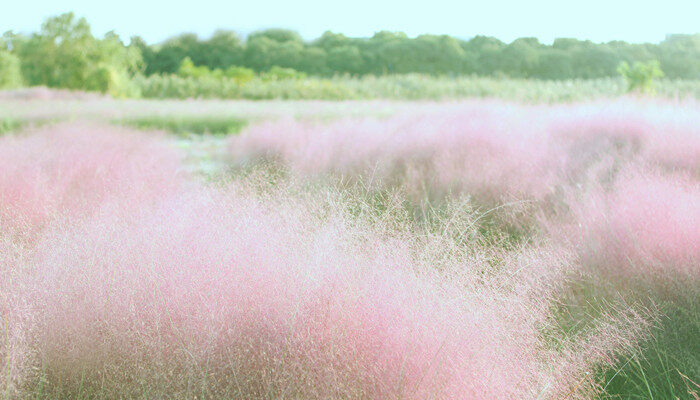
(474, 249)
(402, 87)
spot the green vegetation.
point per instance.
(8, 125)
(187, 124)
(10, 73)
(667, 364)
(240, 75)
(404, 87)
(640, 76)
(388, 53)
(65, 54)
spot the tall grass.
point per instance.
(63, 169)
(616, 182)
(496, 152)
(137, 281)
(346, 259)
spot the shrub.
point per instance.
(10, 72)
(278, 73)
(640, 76)
(189, 70)
(453, 150)
(65, 54)
(491, 150)
(240, 75)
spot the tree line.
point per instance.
(65, 53)
(395, 53)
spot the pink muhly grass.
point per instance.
(15, 321)
(219, 291)
(146, 287)
(213, 294)
(70, 168)
(490, 150)
(656, 132)
(494, 151)
(62, 172)
(645, 226)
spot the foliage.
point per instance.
(64, 54)
(640, 76)
(10, 72)
(9, 125)
(278, 73)
(239, 75)
(187, 69)
(396, 53)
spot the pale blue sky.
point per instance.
(597, 20)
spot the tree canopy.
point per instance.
(64, 53)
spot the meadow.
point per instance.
(484, 248)
(400, 87)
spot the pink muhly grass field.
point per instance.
(664, 133)
(493, 151)
(216, 295)
(247, 301)
(150, 287)
(487, 150)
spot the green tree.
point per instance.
(640, 76)
(224, 49)
(594, 61)
(262, 53)
(169, 55)
(65, 54)
(521, 58)
(313, 60)
(329, 41)
(554, 64)
(486, 54)
(10, 71)
(346, 59)
(187, 69)
(277, 35)
(679, 56)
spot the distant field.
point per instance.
(108, 108)
(394, 88)
(402, 87)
